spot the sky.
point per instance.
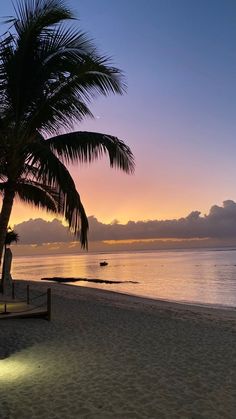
(216, 229)
(178, 116)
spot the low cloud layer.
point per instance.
(39, 231)
(220, 223)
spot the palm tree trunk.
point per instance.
(7, 204)
(2, 281)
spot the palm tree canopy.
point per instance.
(49, 73)
(11, 237)
(58, 69)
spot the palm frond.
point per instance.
(33, 24)
(68, 85)
(63, 44)
(36, 15)
(53, 173)
(38, 195)
(85, 146)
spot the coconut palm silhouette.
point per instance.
(49, 74)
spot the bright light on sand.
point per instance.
(13, 369)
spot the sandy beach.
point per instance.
(108, 355)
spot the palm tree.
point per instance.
(49, 73)
(11, 237)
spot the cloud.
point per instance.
(220, 223)
(39, 231)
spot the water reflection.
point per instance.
(199, 276)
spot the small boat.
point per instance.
(103, 263)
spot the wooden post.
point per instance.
(13, 290)
(27, 294)
(49, 304)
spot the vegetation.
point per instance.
(11, 237)
(49, 73)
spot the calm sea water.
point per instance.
(200, 276)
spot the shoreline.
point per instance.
(131, 301)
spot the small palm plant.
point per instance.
(11, 237)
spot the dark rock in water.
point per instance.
(59, 279)
(96, 281)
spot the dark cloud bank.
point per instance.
(219, 224)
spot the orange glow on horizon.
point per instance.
(159, 240)
(112, 195)
(23, 213)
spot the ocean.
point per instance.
(192, 276)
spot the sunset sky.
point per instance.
(179, 58)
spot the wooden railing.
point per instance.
(32, 310)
